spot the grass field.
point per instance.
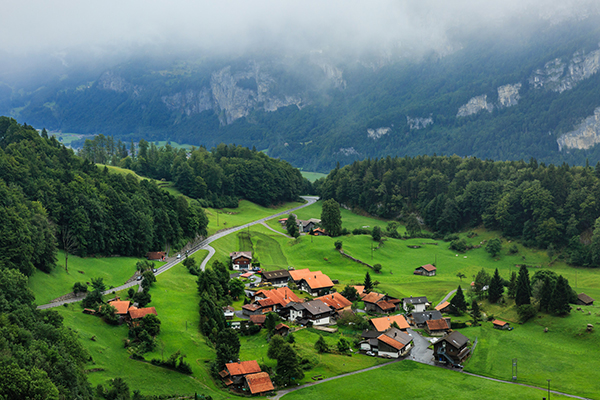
(312, 176)
(114, 270)
(410, 380)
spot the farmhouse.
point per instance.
(336, 301)
(120, 306)
(156, 255)
(314, 283)
(451, 349)
(384, 323)
(137, 313)
(500, 324)
(380, 303)
(270, 300)
(393, 343)
(234, 372)
(306, 226)
(584, 300)
(315, 312)
(419, 319)
(419, 303)
(241, 259)
(437, 327)
(443, 307)
(319, 232)
(276, 278)
(228, 312)
(258, 383)
(425, 270)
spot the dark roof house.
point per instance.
(451, 349)
(584, 300)
(426, 270)
(276, 278)
(420, 318)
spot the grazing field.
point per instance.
(410, 380)
(312, 176)
(114, 270)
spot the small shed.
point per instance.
(425, 270)
(282, 329)
(258, 319)
(500, 324)
(584, 300)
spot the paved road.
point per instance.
(420, 351)
(276, 231)
(203, 245)
(447, 296)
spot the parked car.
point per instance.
(154, 270)
(178, 255)
(139, 278)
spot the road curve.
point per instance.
(203, 245)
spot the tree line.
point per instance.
(544, 205)
(218, 178)
(51, 198)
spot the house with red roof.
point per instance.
(270, 301)
(314, 283)
(393, 343)
(437, 327)
(258, 383)
(384, 323)
(425, 270)
(336, 301)
(500, 324)
(234, 373)
(137, 313)
(381, 303)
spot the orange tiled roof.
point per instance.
(498, 322)
(315, 280)
(436, 324)
(259, 383)
(391, 342)
(382, 324)
(242, 367)
(141, 312)
(428, 267)
(441, 306)
(281, 296)
(335, 300)
(386, 305)
(121, 306)
(360, 289)
(258, 319)
(280, 326)
(373, 297)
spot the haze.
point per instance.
(39, 26)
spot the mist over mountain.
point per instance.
(317, 86)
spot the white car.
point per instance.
(178, 255)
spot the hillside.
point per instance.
(509, 94)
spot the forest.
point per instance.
(547, 206)
(218, 178)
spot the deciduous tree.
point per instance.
(331, 218)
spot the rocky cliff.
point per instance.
(558, 75)
(585, 136)
(475, 105)
(418, 123)
(508, 95)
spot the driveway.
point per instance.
(420, 352)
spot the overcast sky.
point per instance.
(58, 25)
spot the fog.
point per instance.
(121, 27)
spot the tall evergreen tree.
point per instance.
(368, 282)
(331, 218)
(523, 292)
(546, 294)
(496, 288)
(475, 311)
(512, 286)
(288, 367)
(291, 225)
(559, 304)
(458, 302)
(321, 345)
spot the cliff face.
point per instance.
(475, 105)
(585, 136)
(418, 123)
(508, 95)
(559, 76)
(116, 83)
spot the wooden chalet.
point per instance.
(336, 301)
(319, 232)
(384, 323)
(314, 283)
(451, 349)
(502, 325)
(234, 373)
(228, 312)
(121, 307)
(137, 313)
(425, 270)
(419, 303)
(258, 319)
(584, 300)
(276, 278)
(443, 307)
(156, 255)
(241, 259)
(437, 327)
(270, 301)
(306, 226)
(282, 329)
(258, 383)
(392, 344)
(380, 303)
(419, 319)
(313, 312)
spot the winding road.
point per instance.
(203, 245)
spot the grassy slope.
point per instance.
(115, 271)
(409, 380)
(312, 176)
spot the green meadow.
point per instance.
(410, 380)
(312, 176)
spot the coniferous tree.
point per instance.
(321, 345)
(475, 311)
(496, 288)
(413, 228)
(512, 286)
(291, 226)
(523, 292)
(458, 302)
(227, 348)
(368, 283)
(288, 367)
(546, 294)
(275, 346)
(559, 304)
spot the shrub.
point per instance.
(459, 245)
(526, 312)
(377, 268)
(338, 244)
(450, 237)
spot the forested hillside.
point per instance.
(544, 205)
(511, 93)
(51, 197)
(218, 178)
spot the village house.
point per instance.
(584, 300)
(258, 319)
(451, 349)
(234, 373)
(228, 312)
(419, 319)
(281, 329)
(425, 270)
(137, 313)
(270, 301)
(314, 312)
(393, 344)
(384, 323)
(276, 278)
(437, 327)
(241, 260)
(360, 289)
(314, 283)
(443, 307)
(336, 301)
(306, 226)
(258, 383)
(380, 303)
(319, 232)
(156, 256)
(121, 307)
(502, 325)
(418, 303)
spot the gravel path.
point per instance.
(203, 245)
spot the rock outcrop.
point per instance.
(348, 151)
(586, 135)
(418, 123)
(377, 133)
(508, 95)
(559, 76)
(475, 105)
(112, 81)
